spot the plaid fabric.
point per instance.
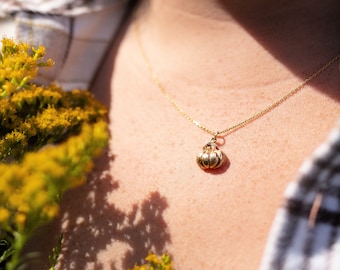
(76, 34)
(300, 240)
(61, 7)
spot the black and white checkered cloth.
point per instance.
(76, 34)
(296, 241)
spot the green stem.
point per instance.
(18, 244)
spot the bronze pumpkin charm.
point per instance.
(211, 157)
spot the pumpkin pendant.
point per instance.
(211, 157)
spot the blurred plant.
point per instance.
(55, 253)
(48, 139)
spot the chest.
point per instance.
(223, 215)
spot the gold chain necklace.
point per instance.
(211, 157)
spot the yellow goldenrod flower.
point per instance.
(50, 211)
(155, 262)
(48, 139)
(20, 220)
(4, 215)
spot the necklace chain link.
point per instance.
(239, 125)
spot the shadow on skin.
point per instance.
(91, 225)
(305, 48)
(142, 228)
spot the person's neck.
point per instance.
(219, 35)
(257, 12)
